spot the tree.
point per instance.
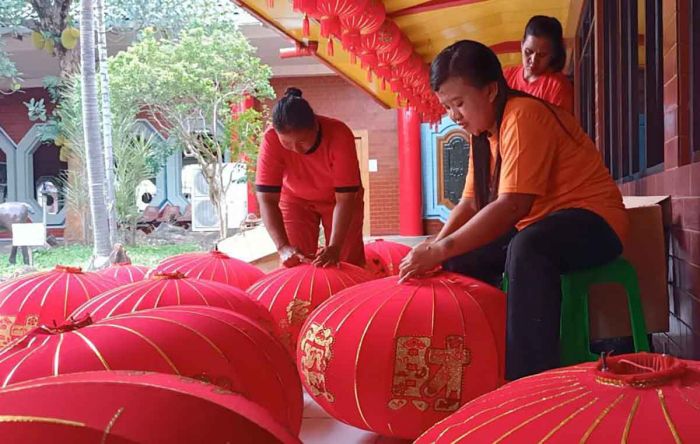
(187, 87)
(93, 143)
(9, 74)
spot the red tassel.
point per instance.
(329, 47)
(353, 58)
(383, 84)
(305, 26)
(369, 75)
(270, 4)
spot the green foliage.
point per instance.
(8, 71)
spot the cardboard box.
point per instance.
(646, 249)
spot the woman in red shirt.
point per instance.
(308, 175)
(544, 56)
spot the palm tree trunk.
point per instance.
(110, 200)
(93, 145)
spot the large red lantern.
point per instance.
(329, 13)
(395, 56)
(384, 257)
(167, 289)
(132, 407)
(397, 358)
(354, 26)
(125, 273)
(290, 294)
(207, 343)
(45, 297)
(213, 265)
(631, 398)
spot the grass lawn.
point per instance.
(78, 256)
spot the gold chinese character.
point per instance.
(315, 356)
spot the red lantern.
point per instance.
(214, 265)
(206, 343)
(168, 289)
(125, 273)
(308, 8)
(290, 294)
(132, 407)
(395, 359)
(640, 397)
(384, 257)
(385, 39)
(354, 26)
(329, 13)
(396, 55)
(46, 297)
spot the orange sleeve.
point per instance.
(527, 154)
(469, 180)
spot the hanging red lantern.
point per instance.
(329, 13)
(168, 289)
(397, 358)
(132, 407)
(213, 265)
(354, 26)
(125, 273)
(206, 343)
(397, 55)
(291, 294)
(308, 8)
(384, 257)
(45, 297)
(386, 38)
(641, 397)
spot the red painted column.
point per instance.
(410, 204)
(245, 104)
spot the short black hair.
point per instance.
(292, 112)
(549, 28)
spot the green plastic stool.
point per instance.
(574, 331)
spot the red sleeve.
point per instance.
(270, 167)
(344, 164)
(560, 93)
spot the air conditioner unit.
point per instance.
(204, 217)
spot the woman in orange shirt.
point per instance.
(308, 175)
(544, 56)
(531, 167)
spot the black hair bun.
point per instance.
(292, 92)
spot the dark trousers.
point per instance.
(535, 258)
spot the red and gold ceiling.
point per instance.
(392, 65)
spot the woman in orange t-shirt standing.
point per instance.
(308, 175)
(533, 168)
(544, 56)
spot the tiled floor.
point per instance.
(319, 428)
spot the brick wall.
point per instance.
(334, 97)
(681, 180)
(13, 113)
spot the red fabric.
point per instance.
(214, 266)
(312, 177)
(163, 290)
(395, 359)
(125, 273)
(384, 257)
(206, 343)
(554, 88)
(132, 407)
(290, 294)
(571, 403)
(45, 297)
(302, 220)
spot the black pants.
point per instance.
(535, 258)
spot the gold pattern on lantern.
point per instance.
(297, 311)
(10, 330)
(415, 382)
(315, 356)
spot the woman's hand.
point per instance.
(329, 255)
(424, 257)
(291, 257)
